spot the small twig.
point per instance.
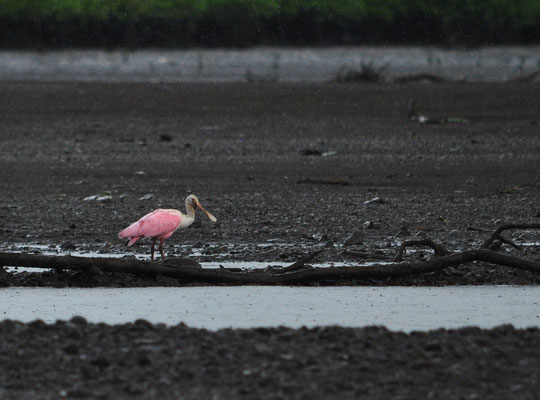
(505, 227)
(502, 239)
(437, 248)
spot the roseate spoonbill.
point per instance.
(162, 223)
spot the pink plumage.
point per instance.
(162, 223)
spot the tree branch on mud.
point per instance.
(437, 248)
(297, 273)
(505, 227)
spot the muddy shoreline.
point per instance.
(264, 158)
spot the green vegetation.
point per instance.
(521, 12)
(275, 21)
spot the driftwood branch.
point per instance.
(300, 264)
(497, 234)
(295, 274)
(494, 242)
(439, 250)
(262, 277)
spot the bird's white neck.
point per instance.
(187, 219)
(190, 211)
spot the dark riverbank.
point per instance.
(77, 359)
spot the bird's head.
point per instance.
(193, 201)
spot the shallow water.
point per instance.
(266, 64)
(229, 264)
(398, 308)
(188, 251)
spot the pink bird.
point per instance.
(162, 223)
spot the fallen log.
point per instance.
(298, 273)
(505, 227)
(437, 248)
(190, 273)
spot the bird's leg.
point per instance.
(153, 243)
(161, 249)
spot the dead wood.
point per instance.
(294, 274)
(439, 250)
(121, 265)
(300, 263)
(262, 277)
(407, 269)
(505, 227)
(178, 262)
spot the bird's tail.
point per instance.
(125, 234)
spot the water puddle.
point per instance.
(189, 251)
(398, 308)
(218, 264)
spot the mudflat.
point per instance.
(286, 169)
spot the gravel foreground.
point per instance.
(77, 359)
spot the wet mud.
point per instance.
(285, 169)
(142, 360)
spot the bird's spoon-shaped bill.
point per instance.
(212, 218)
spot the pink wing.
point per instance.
(158, 223)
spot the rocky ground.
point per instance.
(285, 169)
(76, 359)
